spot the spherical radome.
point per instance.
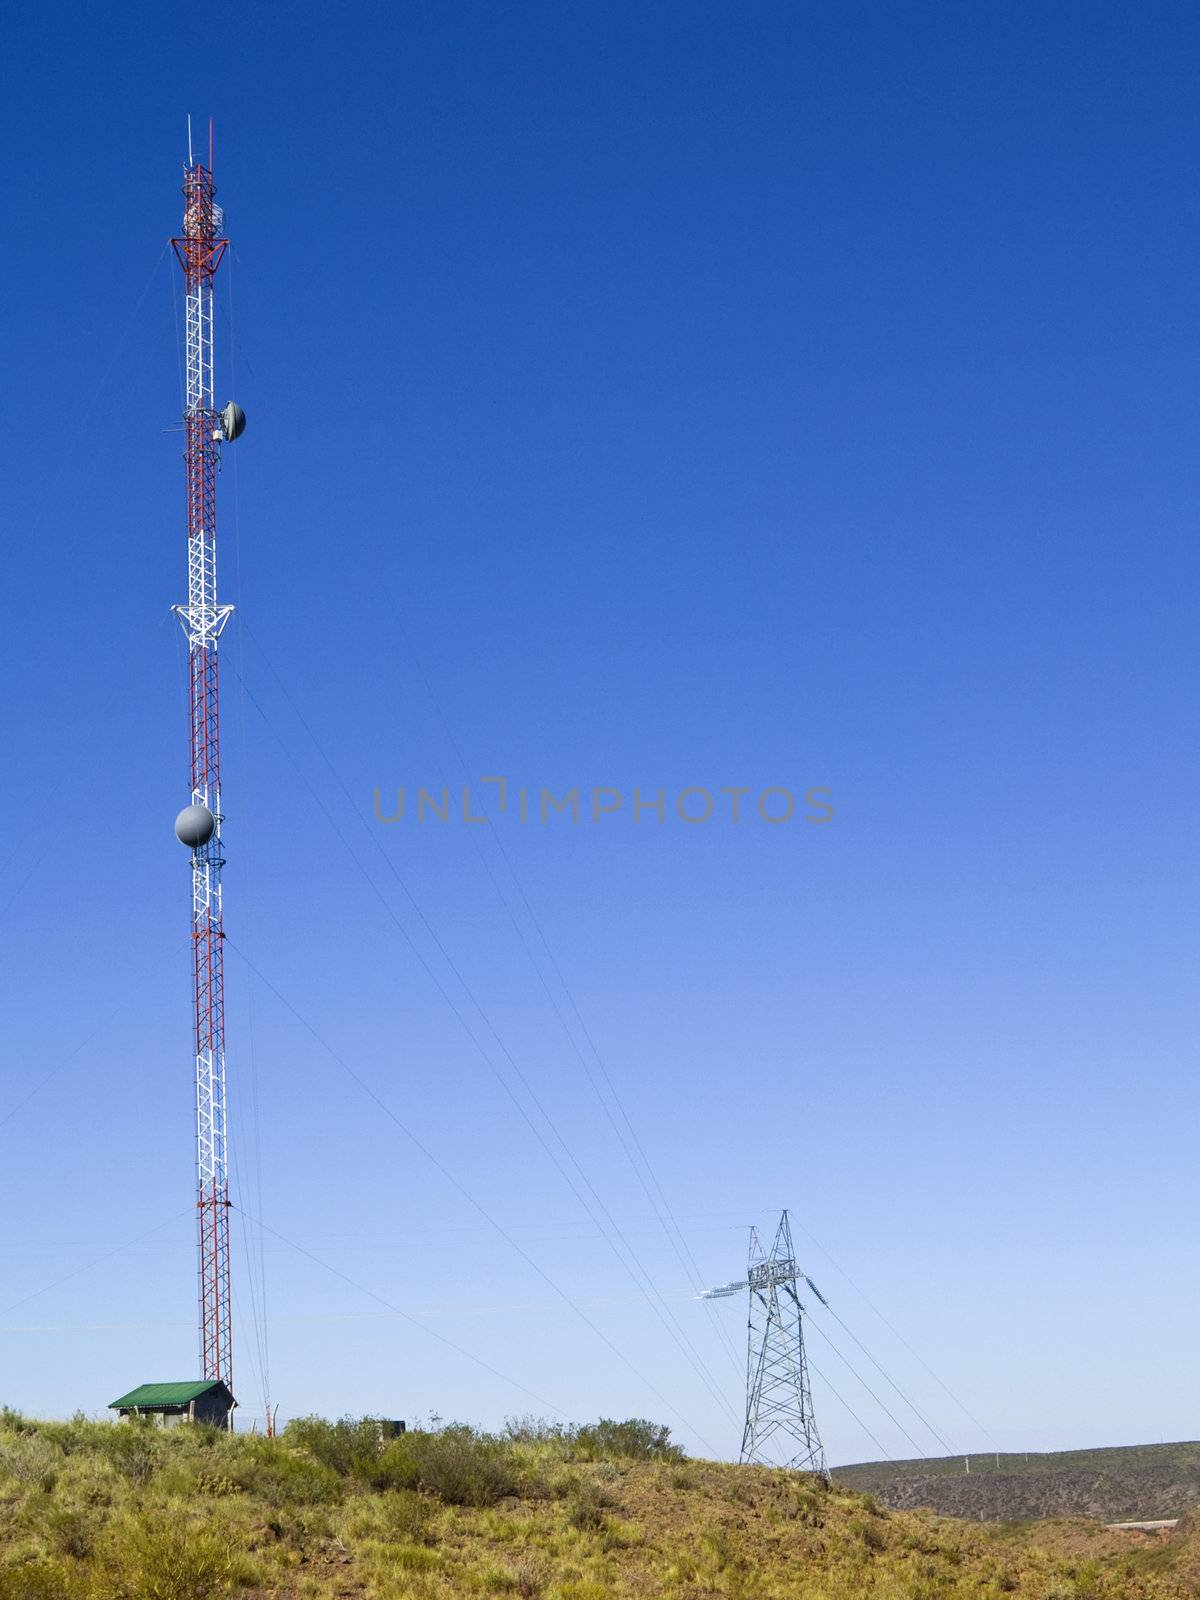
(195, 826)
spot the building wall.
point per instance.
(211, 1408)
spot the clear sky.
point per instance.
(639, 396)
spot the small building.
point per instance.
(172, 1403)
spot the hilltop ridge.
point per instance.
(102, 1511)
(1116, 1483)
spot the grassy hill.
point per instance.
(95, 1511)
(1122, 1483)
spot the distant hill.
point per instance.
(1124, 1483)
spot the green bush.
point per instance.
(587, 1502)
(79, 1435)
(530, 1576)
(407, 1516)
(457, 1464)
(70, 1532)
(281, 1476)
(535, 1430)
(42, 1580)
(636, 1439)
(132, 1448)
(31, 1461)
(350, 1446)
(870, 1530)
(215, 1484)
(164, 1560)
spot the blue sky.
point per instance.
(694, 395)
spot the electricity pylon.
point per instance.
(778, 1392)
(779, 1408)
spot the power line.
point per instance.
(62, 1065)
(662, 1310)
(362, 1238)
(469, 1309)
(407, 1316)
(897, 1334)
(633, 1264)
(77, 1272)
(652, 1188)
(256, 1268)
(920, 1415)
(54, 785)
(842, 1399)
(884, 1408)
(465, 1193)
(660, 1203)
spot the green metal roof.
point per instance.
(148, 1396)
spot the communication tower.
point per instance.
(200, 250)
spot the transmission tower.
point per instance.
(198, 826)
(778, 1394)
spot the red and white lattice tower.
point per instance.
(200, 250)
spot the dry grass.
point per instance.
(90, 1511)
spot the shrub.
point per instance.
(457, 1464)
(131, 1448)
(216, 1484)
(871, 1533)
(281, 1476)
(587, 1502)
(529, 1577)
(409, 1558)
(534, 1430)
(635, 1439)
(350, 1447)
(32, 1462)
(408, 1516)
(45, 1580)
(584, 1589)
(169, 1561)
(70, 1532)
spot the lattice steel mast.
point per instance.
(200, 251)
(779, 1408)
(779, 1405)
